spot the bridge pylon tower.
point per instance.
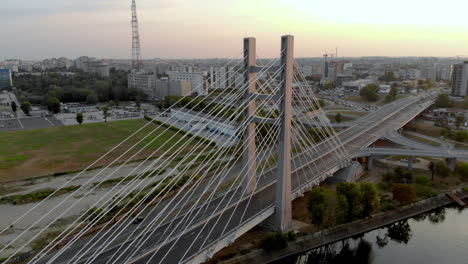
(283, 217)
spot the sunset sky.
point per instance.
(36, 29)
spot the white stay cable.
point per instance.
(214, 211)
(174, 154)
(79, 174)
(166, 215)
(88, 192)
(336, 138)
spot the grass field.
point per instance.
(425, 129)
(40, 152)
(422, 140)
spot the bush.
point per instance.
(274, 242)
(370, 92)
(404, 193)
(441, 169)
(422, 180)
(424, 191)
(462, 170)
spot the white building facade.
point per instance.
(198, 80)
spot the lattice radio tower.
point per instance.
(137, 63)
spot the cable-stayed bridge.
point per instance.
(212, 194)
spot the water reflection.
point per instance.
(371, 247)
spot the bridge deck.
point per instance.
(308, 170)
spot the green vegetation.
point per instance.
(370, 92)
(105, 113)
(338, 118)
(349, 202)
(36, 196)
(277, 241)
(80, 87)
(404, 193)
(320, 204)
(421, 139)
(425, 129)
(392, 95)
(145, 175)
(39, 152)
(443, 101)
(389, 76)
(14, 107)
(459, 121)
(79, 118)
(26, 107)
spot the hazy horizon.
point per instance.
(178, 29)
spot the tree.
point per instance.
(318, 204)
(461, 135)
(441, 122)
(441, 169)
(349, 197)
(338, 118)
(459, 120)
(388, 77)
(138, 102)
(465, 102)
(13, 107)
(92, 98)
(370, 92)
(79, 118)
(53, 104)
(370, 199)
(443, 101)
(393, 93)
(431, 167)
(105, 111)
(403, 176)
(404, 193)
(26, 107)
(462, 170)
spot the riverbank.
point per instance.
(344, 231)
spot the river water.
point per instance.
(437, 237)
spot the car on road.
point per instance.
(138, 220)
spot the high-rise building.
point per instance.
(460, 79)
(5, 78)
(142, 81)
(92, 65)
(165, 87)
(198, 80)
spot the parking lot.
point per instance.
(26, 123)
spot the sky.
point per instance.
(37, 29)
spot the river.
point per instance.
(437, 237)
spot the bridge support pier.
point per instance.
(410, 163)
(370, 162)
(249, 149)
(452, 163)
(283, 214)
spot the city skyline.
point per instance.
(102, 28)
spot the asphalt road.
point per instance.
(307, 167)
